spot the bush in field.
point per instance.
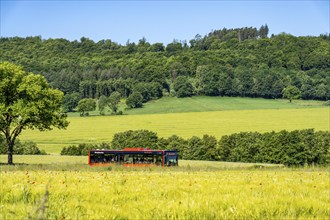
(291, 92)
(86, 105)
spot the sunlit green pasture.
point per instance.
(218, 123)
(215, 103)
(169, 104)
(162, 193)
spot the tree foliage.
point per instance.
(20, 148)
(227, 62)
(82, 149)
(292, 148)
(102, 104)
(135, 139)
(27, 101)
(134, 100)
(113, 101)
(291, 92)
(183, 87)
(70, 101)
(86, 105)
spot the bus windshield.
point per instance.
(172, 160)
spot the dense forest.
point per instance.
(242, 62)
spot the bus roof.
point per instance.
(131, 150)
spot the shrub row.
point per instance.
(21, 148)
(296, 148)
(82, 149)
(293, 148)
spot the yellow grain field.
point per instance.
(165, 194)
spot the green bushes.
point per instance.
(293, 148)
(82, 149)
(21, 148)
(135, 139)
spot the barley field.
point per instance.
(164, 193)
(97, 129)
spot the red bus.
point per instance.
(133, 157)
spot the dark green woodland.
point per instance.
(243, 62)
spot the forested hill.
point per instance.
(231, 62)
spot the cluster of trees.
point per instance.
(231, 62)
(295, 148)
(262, 82)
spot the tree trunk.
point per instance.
(10, 153)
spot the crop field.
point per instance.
(195, 190)
(218, 123)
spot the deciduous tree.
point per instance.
(27, 101)
(113, 101)
(86, 105)
(291, 92)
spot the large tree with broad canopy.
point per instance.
(27, 101)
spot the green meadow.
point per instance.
(194, 117)
(168, 104)
(211, 103)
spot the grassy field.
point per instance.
(167, 105)
(209, 103)
(102, 128)
(67, 188)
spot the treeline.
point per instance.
(232, 62)
(295, 148)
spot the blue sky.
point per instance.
(157, 21)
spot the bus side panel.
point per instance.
(102, 164)
(139, 165)
(89, 157)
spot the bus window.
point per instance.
(97, 158)
(128, 159)
(110, 158)
(159, 159)
(120, 159)
(145, 157)
(171, 160)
